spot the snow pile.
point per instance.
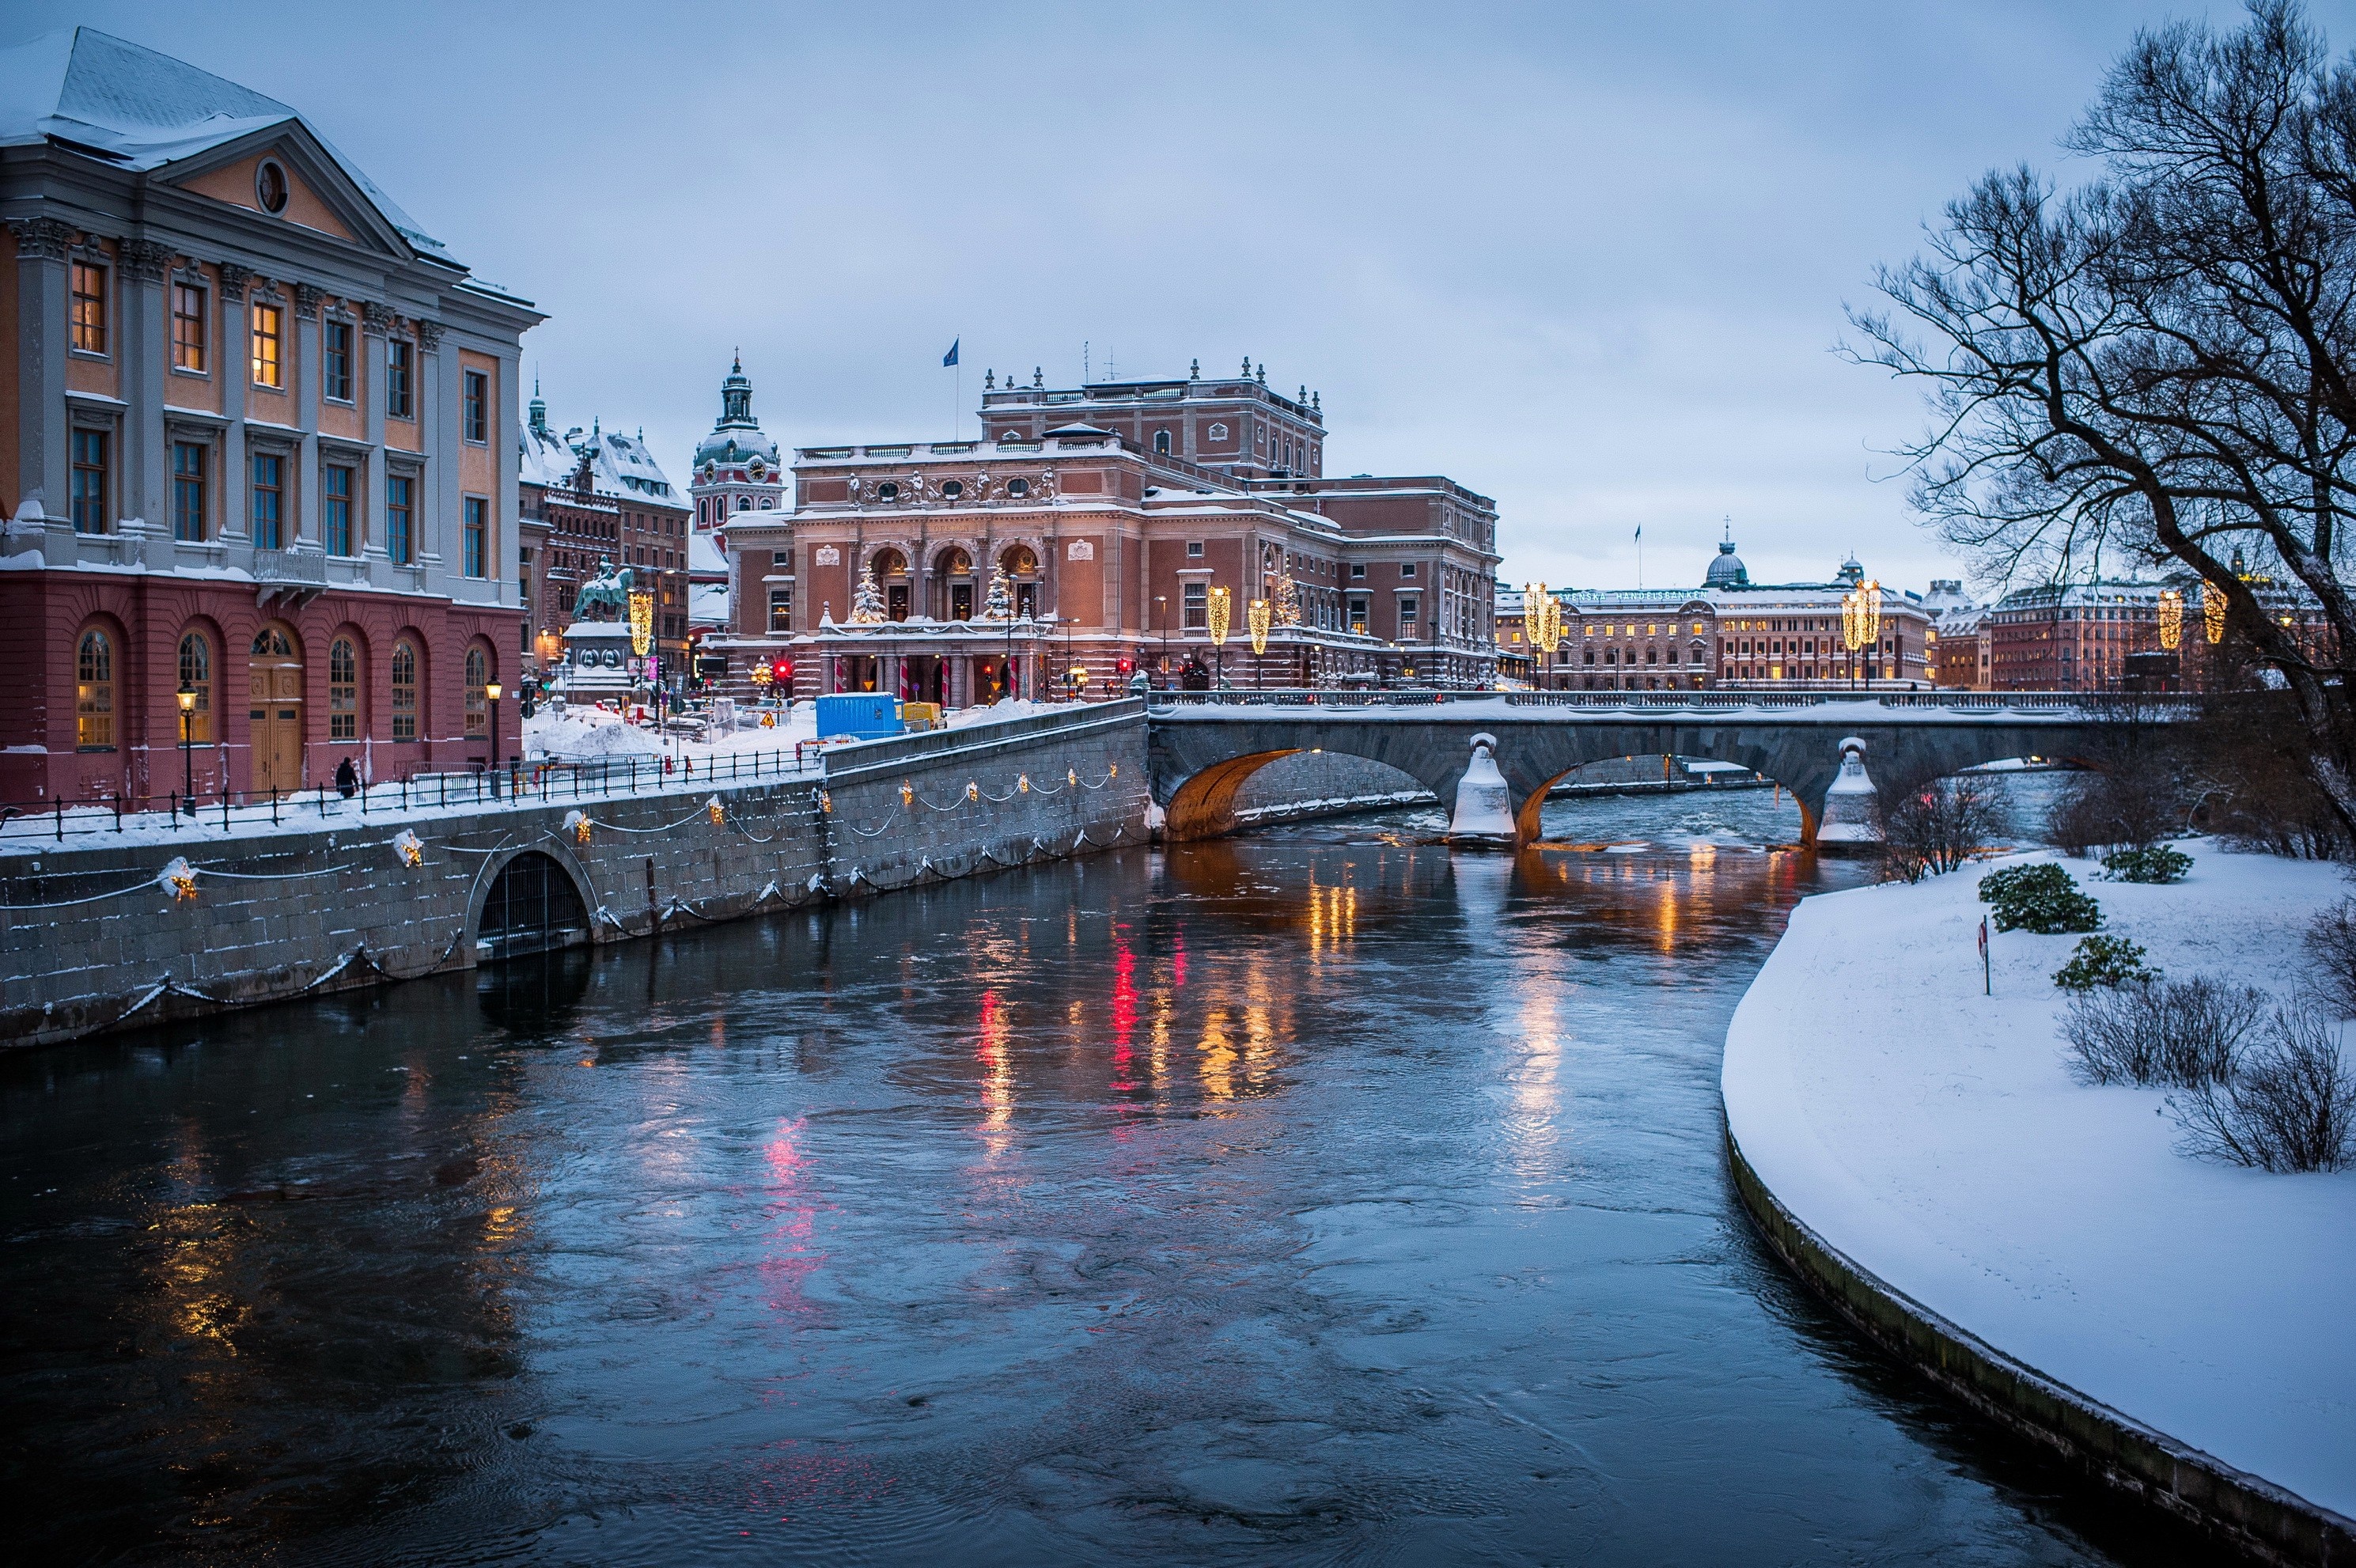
(999, 712)
(585, 732)
(1932, 1135)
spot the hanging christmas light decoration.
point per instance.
(1284, 602)
(1022, 783)
(1256, 616)
(1072, 777)
(642, 622)
(826, 802)
(577, 825)
(762, 674)
(2171, 618)
(1222, 611)
(179, 878)
(1541, 617)
(2213, 612)
(715, 811)
(408, 847)
(972, 790)
(908, 793)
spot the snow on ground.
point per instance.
(1932, 1134)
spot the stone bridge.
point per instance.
(1203, 746)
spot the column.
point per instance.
(146, 484)
(43, 465)
(437, 431)
(507, 507)
(233, 363)
(307, 524)
(367, 505)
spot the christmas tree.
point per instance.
(1285, 601)
(867, 599)
(1000, 605)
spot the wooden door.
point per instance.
(274, 720)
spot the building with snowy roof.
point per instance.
(252, 457)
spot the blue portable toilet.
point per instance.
(862, 715)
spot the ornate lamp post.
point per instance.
(491, 696)
(1256, 616)
(1222, 607)
(1860, 621)
(1162, 607)
(186, 697)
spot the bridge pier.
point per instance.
(1484, 811)
(1847, 826)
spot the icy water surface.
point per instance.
(1314, 1196)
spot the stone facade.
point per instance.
(288, 914)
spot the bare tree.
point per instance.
(1931, 826)
(2160, 364)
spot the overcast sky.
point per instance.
(1588, 260)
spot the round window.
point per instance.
(887, 492)
(1018, 488)
(270, 186)
(951, 491)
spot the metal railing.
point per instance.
(518, 782)
(1690, 702)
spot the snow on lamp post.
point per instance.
(1222, 607)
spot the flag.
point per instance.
(950, 358)
(1640, 531)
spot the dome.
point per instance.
(737, 439)
(1728, 571)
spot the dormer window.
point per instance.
(270, 186)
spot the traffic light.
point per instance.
(1125, 665)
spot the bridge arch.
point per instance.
(1200, 803)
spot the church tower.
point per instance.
(736, 466)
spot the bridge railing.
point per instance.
(1668, 702)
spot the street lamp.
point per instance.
(1256, 616)
(186, 697)
(1222, 607)
(1161, 601)
(491, 695)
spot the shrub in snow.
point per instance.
(2331, 943)
(2131, 801)
(2040, 898)
(1934, 826)
(2182, 1033)
(2157, 864)
(2288, 1105)
(2104, 960)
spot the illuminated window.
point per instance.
(1161, 443)
(781, 609)
(187, 328)
(94, 693)
(197, 675)
(404, 691)
(267, 370)
(343, 690)
(479, 675)
(90, 307)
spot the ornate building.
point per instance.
(1061, 552)
(737, 469)
(591, 497)
(253, 413)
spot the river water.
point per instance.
(1318, 1195)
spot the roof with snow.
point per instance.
(101, 96)
(620, 466)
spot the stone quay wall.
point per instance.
(91, 938)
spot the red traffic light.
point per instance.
(1126, 665)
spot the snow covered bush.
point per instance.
(2331, 943)
(1936, 825)
(2104, 960)
(2181, 1033)
(2040, 898)
(2288, 1105)
(2157, 864)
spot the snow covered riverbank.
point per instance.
(1933, 1136)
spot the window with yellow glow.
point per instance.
(197, 675)
(267, 370)
(94, 691)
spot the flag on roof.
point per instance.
(950, 358)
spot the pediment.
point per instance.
(319, 196)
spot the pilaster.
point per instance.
(146, 492)
(437, 428)
(307, 521)
(376, 321)
(233, 360)
(42, 453)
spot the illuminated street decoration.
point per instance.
(642, 622)
(1221, 609)
(409, 847)
(1542, 619)
(1256, 616)
(1861, 616)
(2213, 612)
(2171, 618)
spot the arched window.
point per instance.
(743, 503)
(955, 563)
(271, 642)
(1017, 561)
(1161, 443)
(197, 675)
(343, 690)
(404, 690)
(889, 563)
(478, 676)
(94, 691)
(769, 503)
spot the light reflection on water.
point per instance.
(1315, 1195)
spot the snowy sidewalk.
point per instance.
(1932, 1135)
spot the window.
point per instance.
(267, 370)
(1197, 606)
(781, 609)
(479, 674)
(270, 185)
(1358, 613)
(396, 520)
(478, 407)
(404, 691)
(90, 482)
(1017, 488)
(89, 308)
(189, 490)
(269, 499)
(197, 675)
(335, 362)
(1161, 443)
(1406, 568)
(398, 403)
(476, 529)
(1218, 432)
(887, 492)
(343, 690)
(187, 328)
(94, 693)
(1406, 613)
(949, 491)
(335, 509)
(1357, 569)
